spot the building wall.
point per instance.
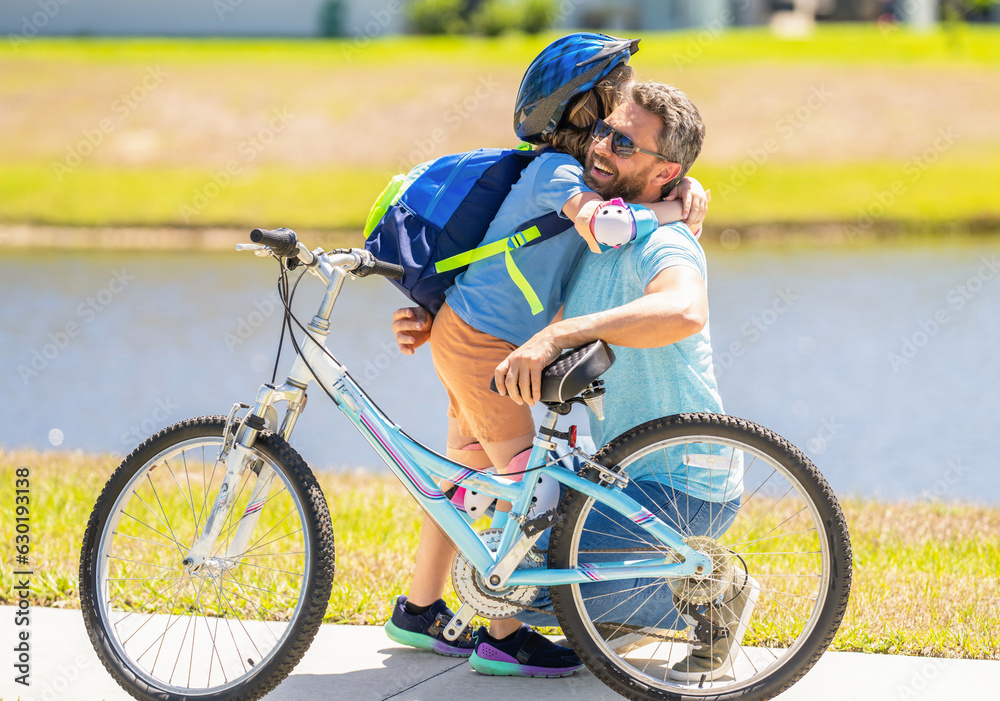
(370, 18)
(293, 18)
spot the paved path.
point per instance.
(358, 663)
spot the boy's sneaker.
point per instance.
(729, 620)
(522, 654)
(426, 630)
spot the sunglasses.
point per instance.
(621, 145)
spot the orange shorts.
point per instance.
(465, 359)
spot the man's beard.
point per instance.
(628, 187)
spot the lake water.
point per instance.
(880, 362)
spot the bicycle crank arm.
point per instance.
(459, 621)
(496, 576)
(237, 460)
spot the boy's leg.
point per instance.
(435, 553)
(503, 453)
(419, 619)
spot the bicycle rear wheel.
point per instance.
(232, 630)
(781, 571)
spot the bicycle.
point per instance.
(208, 560)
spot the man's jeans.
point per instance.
(640, 602)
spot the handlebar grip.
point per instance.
(378, 267)
(283, 242)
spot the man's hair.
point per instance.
(573, 135)
(682, 133)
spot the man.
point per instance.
(641, 151)
(650, 300)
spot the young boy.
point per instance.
(486, 316)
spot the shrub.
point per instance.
(494, 17)
(538, 15)
(436, 16)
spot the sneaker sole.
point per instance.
(741, 630)
(422, 641)
(495, 668)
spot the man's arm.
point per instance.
(674, 306)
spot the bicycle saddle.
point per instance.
(572, 371)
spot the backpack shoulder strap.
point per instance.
(531, 232)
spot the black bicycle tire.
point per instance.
(723, 426)
(265, 677)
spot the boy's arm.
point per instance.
(584, 207)
(695, 199)
(688, 202)
(412, 328)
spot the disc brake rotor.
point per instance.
(501, 603)
(702, 590)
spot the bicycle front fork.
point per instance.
(237, 451)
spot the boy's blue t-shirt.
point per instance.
(485, 296)
(648, 383)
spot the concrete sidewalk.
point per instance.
(359, 663)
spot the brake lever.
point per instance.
(258, 250)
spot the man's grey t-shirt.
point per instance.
(648, 383)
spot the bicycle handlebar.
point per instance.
(380, 267)
(283, 242)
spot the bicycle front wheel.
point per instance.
(781, 565)
(233, 628)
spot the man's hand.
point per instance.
(694, 201)
(412, 326)
(519, 376)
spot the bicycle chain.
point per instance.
(666, 638)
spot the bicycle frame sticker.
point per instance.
(642, 517)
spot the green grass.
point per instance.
(960, 186)
(188, 197)
(848, 44)
(926, 576)
(855, 194)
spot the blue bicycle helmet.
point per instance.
(564, 69)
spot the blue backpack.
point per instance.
(432, 221)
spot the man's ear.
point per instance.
(667, 172)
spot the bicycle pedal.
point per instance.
(540, 523)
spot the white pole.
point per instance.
(920, 15)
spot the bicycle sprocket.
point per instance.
(494, 605)
(702, 590)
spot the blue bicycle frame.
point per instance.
(416, 466)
